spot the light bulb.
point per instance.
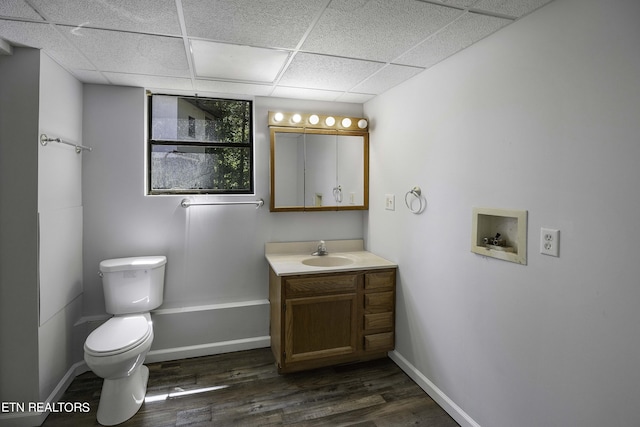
(314, 119)
(278, 117)
(346, 122)
(296, 118)
(362, 123)
(330, 121)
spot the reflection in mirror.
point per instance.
(289, 175)
(314, 169)
(320, 178)
(350, 161)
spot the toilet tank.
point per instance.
(133, 285)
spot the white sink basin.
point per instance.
(327, 261)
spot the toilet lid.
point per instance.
(118, 334)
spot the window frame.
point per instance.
(151, 142)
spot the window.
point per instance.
(192, 127)
(200, 145)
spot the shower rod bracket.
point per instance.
(44, 140)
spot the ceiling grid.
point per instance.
(333, 50)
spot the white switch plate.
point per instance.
(390, 202)
(550, 241)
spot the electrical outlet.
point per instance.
(549, 241)
(390, 202)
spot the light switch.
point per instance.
(390, 202)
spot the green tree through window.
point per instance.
(200, 145)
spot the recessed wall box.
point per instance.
(500, 233)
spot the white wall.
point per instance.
(541, 116)
(41, 228)
(216, 283)
(19, 95)
(60, 225)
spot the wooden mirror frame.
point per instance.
(304, 130)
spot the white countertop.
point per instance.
(286, 258)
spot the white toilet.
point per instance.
(116, 350)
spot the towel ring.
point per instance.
(417, 193)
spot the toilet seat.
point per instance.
(118, 335)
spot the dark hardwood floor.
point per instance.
(244, 389)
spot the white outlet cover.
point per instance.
(390, 202)
(550, 242)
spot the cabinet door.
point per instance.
(323, 326)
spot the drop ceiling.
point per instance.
(333, 50)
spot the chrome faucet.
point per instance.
(322, 249)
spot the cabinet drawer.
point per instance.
(378, 341)
(380, 281)
(321, 285)
(379, 301)
(378, 321)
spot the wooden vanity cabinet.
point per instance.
(331, 318)
(379, 310)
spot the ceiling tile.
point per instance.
(458, 3)
(465, 31)
(335, 50)
(264, 23)
(327, 72)
(302, 93)
(132, 53)
(386, 78)
(356, 98)
(145, 16)
(44, 36)
(18, 9)
(90, 76)
(233, 88)
(379, 30)
(157, 82)
(515, 8)
(235, 62)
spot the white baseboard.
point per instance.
(209, 349)
(432, 390)
(22, 419)
(30, 419)
(208, 335)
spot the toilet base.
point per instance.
(122, 397)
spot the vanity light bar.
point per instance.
(317, 121)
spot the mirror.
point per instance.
(319, 169)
